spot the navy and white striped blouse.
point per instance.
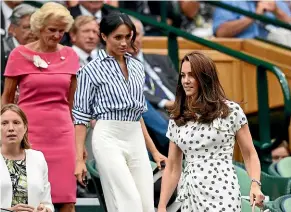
(103, 93)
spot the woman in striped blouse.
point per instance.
(110, 90)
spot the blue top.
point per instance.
(104, 93)
(221, 16)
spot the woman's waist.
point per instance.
(123, 130)
(128, 115)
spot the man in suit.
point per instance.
(6, 11)
(160, 86)
(19, 28)
(92, 8)
(19, 33)
(161, 76)
(85, 39)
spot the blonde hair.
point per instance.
(50, 10)
(80, 21)
(12, 107)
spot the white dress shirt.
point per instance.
(152, 73)
(84, 11)
(83, 56)
(7, 12)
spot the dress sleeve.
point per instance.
(83, 99)
(240, 118)
(14, 64)
(172, 131)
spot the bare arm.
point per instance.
(72, 91)
(233, 28)
(80, 137)
(171, 174)
(149, 142)
(9, 90)
(280, 14)
(189, 8)
(157, 156)
(249, 153)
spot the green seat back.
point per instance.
(246, 206)
(91, 167)
(284, 167)
(274, 186)
(243, 180)
(286, 204)
(272, 170)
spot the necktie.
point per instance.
(89, 58)
(154, 88)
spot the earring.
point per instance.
(63, 58)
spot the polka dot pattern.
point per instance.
(209, 181)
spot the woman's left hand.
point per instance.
(256, 195)
(158, 157)
(41, 208)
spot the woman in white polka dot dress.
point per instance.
(204, 126)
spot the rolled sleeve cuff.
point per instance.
(81, 118)
(162, 103)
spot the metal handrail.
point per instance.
(262, 67)
(261, 18)
(242, 56)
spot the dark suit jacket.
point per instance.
(76, 11)
(7, 46)
(168, 75)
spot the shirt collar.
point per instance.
(84, 11)
(7, 12)
(102, 54)
(15, 42)
(140, 56)
(81, 53)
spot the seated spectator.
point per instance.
(85, 39)
(6, 11)
(92, 8)
(19, 32)
(24, 173)
(282, 151)
(161, 81)
(179, 13)
(230, 24)
(161, 76)
(19, 29)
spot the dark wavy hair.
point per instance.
(112, 21)
(209, 102)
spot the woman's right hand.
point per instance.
(81, 171)
(22, 207)
(162, 210)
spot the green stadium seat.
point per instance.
(283, 167)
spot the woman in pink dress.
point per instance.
(45, 73)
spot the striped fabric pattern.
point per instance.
(104, 93)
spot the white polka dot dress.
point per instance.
(209, 181)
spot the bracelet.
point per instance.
(256, 181)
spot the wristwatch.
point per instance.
(256, 181)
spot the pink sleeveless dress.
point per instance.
(43, 96)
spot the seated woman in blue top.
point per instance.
(230, 24)
(24, 182)
(110, 90)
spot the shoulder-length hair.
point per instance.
(209, 101)
(12, 107)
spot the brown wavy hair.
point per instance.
(12, 107)
(209, 101)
